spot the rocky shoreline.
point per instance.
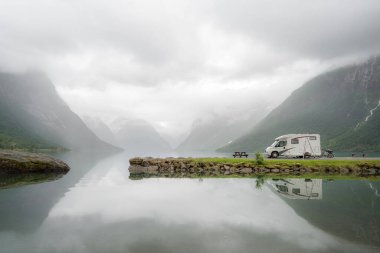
(17, 162)
(183, 167)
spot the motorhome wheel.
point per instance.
(274, 154)
(307, 155)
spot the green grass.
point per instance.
(302, 162)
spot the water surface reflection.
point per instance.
(105, 211)
(298, 188)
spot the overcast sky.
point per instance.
(173, 61)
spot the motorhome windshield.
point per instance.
(274, 143)
(281, 143)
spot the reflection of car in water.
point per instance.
(298, 188)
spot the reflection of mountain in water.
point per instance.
(25, 208)
(349, 209)
(298, 188)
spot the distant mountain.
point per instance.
(208, 135)
(32, 115)
(100, 129)
(139, 136)
(342, 105)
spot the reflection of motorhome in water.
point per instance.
(295, 145)
(298, 188)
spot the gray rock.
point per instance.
(183, 166)
(152, 169)
(371, 171)
(136, 161)
(25, 162)
(246, 170)
(233, 169)
(137, 169)
(264, 170)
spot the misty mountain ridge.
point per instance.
(343, 105)
(138, 135)
(100, 129)
(207, 134)
(34, 116)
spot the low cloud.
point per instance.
(171, 61)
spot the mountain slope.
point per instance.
(34, 116)
(139, 136)
(341, 105)
(207, 135)
(100, 129)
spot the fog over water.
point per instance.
(172, 62)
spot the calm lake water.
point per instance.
(97, 208)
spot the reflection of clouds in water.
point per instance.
(211, 203)
(107, 212)
(145, 235)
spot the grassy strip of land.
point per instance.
(245, 168)
(289, 162)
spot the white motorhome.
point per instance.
(295, 145)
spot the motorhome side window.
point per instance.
(312, 138)
(294, 141)
(281, 144)
(296, 190)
